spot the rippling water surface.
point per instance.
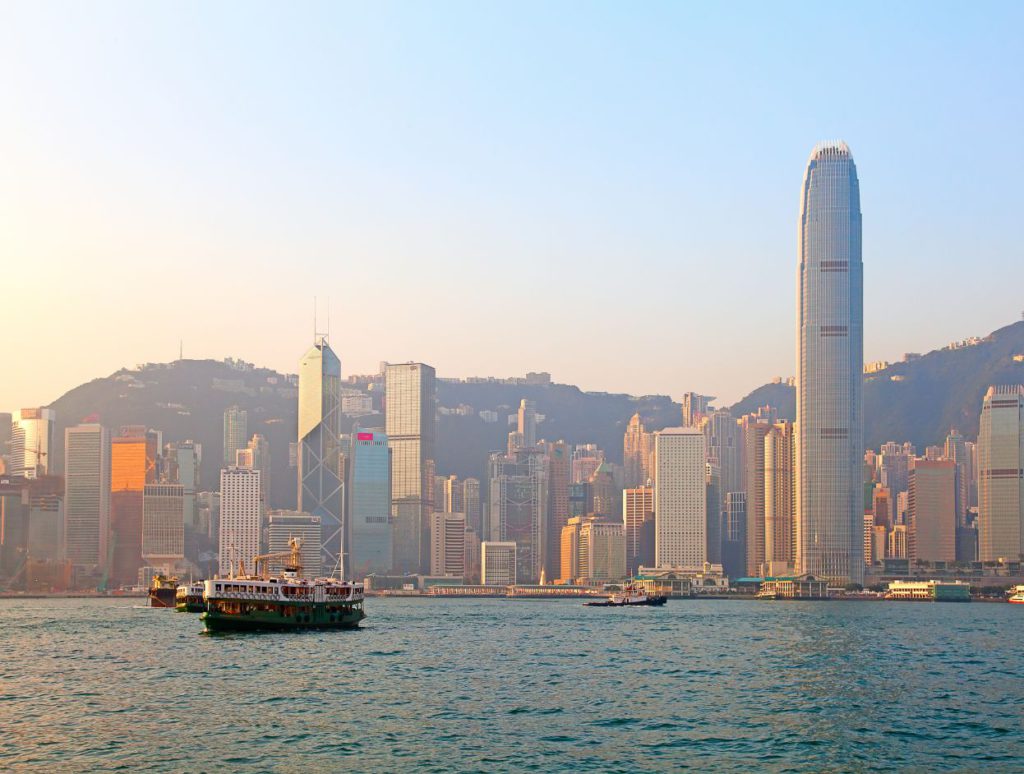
(494, 685)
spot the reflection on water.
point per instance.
(442, 685)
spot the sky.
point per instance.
(605, 191)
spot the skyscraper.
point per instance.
(779, 499)
(163, 525)
(753, 433)
(518, 508)
(240, 516)
(321, 490)
(830, 362)
(236, 432)
(638, 519)
(931, 532)
(370, 504)
(680, 492)
(559, 474)
(637, 450)
(282, 526)
(87, 494)
(527, 422)
(1001, 474)
(410, 417)
(31, 441)
(133, 456)
(448, 544)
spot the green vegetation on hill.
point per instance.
(920, 400)
(917, 401)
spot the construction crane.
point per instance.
(293, 556)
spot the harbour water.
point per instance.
(497, 685)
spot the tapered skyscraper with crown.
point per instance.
(830, 357)
(321, 490)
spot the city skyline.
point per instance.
(632, 180)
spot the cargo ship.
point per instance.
(189, 598)
(162, 591)
(261, 602)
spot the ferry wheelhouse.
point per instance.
(189, 598)
(285, 601)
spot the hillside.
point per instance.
(920, 400)
(186, 399)
(917, 400)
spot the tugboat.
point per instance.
(162, 591)
(631, 594)
(287, 601)
(189, 598)
(1016, 595)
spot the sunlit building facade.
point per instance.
(410, 419)
(680, 498)
(133, 458)
(321, 488)
(31, 441)
(241, 516)
(87, 494)
(830, 358)
(236, 432)
(1001, 474)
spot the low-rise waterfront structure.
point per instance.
(929, 591)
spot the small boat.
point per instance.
(162, 592)
(1016, 595)
(631, 594)
(189, 597)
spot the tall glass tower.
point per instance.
(830, 358)
(321, 490)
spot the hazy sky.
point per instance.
(605, 191)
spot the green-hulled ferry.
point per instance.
(287, 601)
(189, 598)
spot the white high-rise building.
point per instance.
(282, 526)
(830, 361)
(240, 515)
(1001, 474)
(680, 498)
(163, 525)
(31, 441)
(87, 494)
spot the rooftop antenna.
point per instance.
(181, 349)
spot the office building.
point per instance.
(734, 535)
(753, 432)
(593, 551)
(931, 529)
(559, 476)
(638, 520)
(498, 563)
(471, 504)
(830, 362)
(448, 544)
(370, 504)
(779, 497)
(241, 515)
(518, 508)
(1001, 474)
(282, 526)
(680, 515)
(637, 453)
(87, 494)
(526, 424)
(410, 419)
(236, 432)
(163, 525)
(133, 464)
(321, 487)
(31, 442)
